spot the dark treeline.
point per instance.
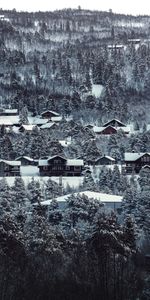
(76, 253)
(79, 251)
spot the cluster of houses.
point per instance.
(111, 127)
(9, 118)
(60, 166)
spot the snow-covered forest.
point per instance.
(74, 88)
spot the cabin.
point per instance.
(109, 202)
(134, 41)
(9, 168)
(27, 161)
(104, 160)
(60, 166)
(134, 162)
(105, 130)
(49, 125)
(49, 114)
(8, 112)
(26, 128)
(38, 121)
(114, 123)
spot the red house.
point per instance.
(105, 130)
(114, 123)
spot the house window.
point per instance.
(45, 168)
(67, 168)
(77, 168)
(57, 161)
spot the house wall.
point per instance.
(104, 161)
(135, 166)
(109, 131)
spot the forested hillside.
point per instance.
(74, 122)
(51, 60)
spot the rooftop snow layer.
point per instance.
(104, 198)
(132, 156)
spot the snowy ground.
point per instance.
(97, 90)
(73, 182)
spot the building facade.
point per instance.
(134, 162)
(9, 168)
(60, 166)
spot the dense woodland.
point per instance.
(51, 61)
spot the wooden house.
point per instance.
(114, 123)
(105, 130)
(49, 125)
(60, 166)
(27, 161)
(8, 112)
(9, 168)
(135, 161)
(48, 114)
(26, 128)
(104, 160)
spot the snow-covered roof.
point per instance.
(56, 156)
(47, 125)
(42, 162)
(101, 129)
(114, 120)
(148, 127)
(115, 46)
(11, 111)
(124, 128)
(65, 143)
(132, 156)
(9, 120)
(134, 40)
(11, 162)
(75, 162)
(38, 121)
(26, 157)
(28, 127)
(69, 162)
(106, 156)
(102, 197)
(56, 119)
(50, 111)
(97, 129)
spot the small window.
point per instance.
(45, 168)
(77, 168)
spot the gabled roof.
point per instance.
(75, 162)
(50, 111)
(39, 121)
(56, 156)
(114, 120)
(9, 120)
(101, 129)
(28, 127)
(102, 197)
(106, 156)
(133, 156)
(11, 111)
(56, 119)
(48, 125)
(11, 162)
(25, 157)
